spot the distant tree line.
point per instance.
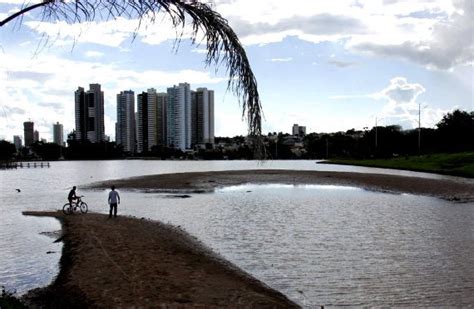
(454, 133)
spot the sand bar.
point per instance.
(128, 262)
(459, 190)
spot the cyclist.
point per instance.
(72, 195)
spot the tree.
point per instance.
(7, 150)
(456, 131)
(222, 44)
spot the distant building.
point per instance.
(28, 127)
(202, 119)
(36, 136)
(299, 130)
(58, 134)
(17, 141)
(89, 110)
(142, 122)
(151, 119)
(179, 116)
(125, 127)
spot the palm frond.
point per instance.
(222, 44)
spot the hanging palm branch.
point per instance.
(222, 44)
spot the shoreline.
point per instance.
(125, 262)
(198, 182)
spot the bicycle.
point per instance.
(75, 207)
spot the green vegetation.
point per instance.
(456, 164)
(9, 301)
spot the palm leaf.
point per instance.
(222, 44)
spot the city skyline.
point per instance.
(330, 66)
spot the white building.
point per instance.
(125, 127)
(58, 134)
(179, 116)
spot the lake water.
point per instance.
(319, 245)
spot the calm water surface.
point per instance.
(316, 244)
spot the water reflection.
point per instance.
(334, 245)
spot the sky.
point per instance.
(327, 65)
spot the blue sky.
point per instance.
(328, 65)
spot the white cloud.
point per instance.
(341, 63)
(36, 90)
(93, 54)
(435, 34)
(287, 59)
(403, 105)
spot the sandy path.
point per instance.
(126, 262)
(462, 190)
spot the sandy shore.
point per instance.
(460, 190)
(129, 262)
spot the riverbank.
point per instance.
(454, 164)
(460, 190)
(130, 262)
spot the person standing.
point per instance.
(114, 200)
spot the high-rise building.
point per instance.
(28, 127)
(202, 119)
(299, 130)
(125, 127)
(89, 108)
(17, 141)
(58, 134)
(151, 119)
(36, 136)
(142, 122)
(179, 116)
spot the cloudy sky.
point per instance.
(328, 65)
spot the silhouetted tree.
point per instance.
(47, 151)
(7, 150)
(456, 131)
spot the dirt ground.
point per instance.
(458, 189)
(130, 262)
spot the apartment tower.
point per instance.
(179, 116)
(125, 127)
(58, 134)
(28, 128)
(89, 110)
(202, 119)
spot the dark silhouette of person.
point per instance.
(72, 195)
(114, 200)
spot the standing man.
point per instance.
(114, 200)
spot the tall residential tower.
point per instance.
(89, 108)
(125, 127)
(179, 116)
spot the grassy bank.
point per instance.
(456, 164)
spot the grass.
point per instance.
(455, 164)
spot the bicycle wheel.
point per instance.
(84, 208)
(67, 209)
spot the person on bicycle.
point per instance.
(72, 195)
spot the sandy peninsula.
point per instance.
(128, 262)
(455, 189)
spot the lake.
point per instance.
(319, 245)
